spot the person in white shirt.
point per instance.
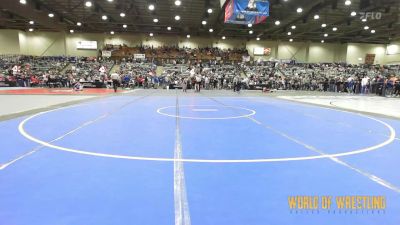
(350, 85)
(365, 85)
(102, 70)
(16, 69)
(198, 83)
(207, 83)
(116, 79)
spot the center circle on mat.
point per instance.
(391, 138)
(206, 112)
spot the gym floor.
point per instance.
(167, 157)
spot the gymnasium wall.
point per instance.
(293, 50)
(9, 42)
(355, 52)
(60, 43)
(42, 43)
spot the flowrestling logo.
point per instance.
(370, 15)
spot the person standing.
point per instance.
(102, 71)
(365, 85)
(115, 80)
(184, 84)
(207, 83)
(397, 87)
(235, 81)
(198, 83)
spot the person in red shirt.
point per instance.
(34, 81)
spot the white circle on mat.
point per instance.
(391, 138)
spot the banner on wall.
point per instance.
(106, 53)
(267, 51)
(370, 59)
(246, 11)
(139, 56)
(262, 51)
(392, 49)
(87, 45)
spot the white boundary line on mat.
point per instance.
(182, 213)
(392, 136)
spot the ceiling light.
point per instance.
(299, 10)
(366, 28)
(211, 30)
(373, 31)
(223, 37)
(155, 20)
(104, 17)
(204, 22)
(364, 20)
(51, 15)
(22, 2)
(258, 39)
(347, 2)
(322, 41)
(291, 40)
(178, 2)
(112, 33)
(151, 7)
(110, 0)
(188, 36)
(334, 29)
(210, 10)
(31, 22)
(251, 32)
(249, 25)
(71, 31)
(293, 27)
(151, 34)
(177, 17)
(353, 13)
(125, 26)
(31, 29)
(88, 4)
(277, 22)
(316, 17)
(79, 24)
(323, 25)
(326, 35)
(122, 14)
(169, 28)
(289, 33)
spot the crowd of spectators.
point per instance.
(207, 76)
(32, 71)
(210, 76)
(26, 71)
(365, 79)
(135, 74)
(181, 55)
(89, 70)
